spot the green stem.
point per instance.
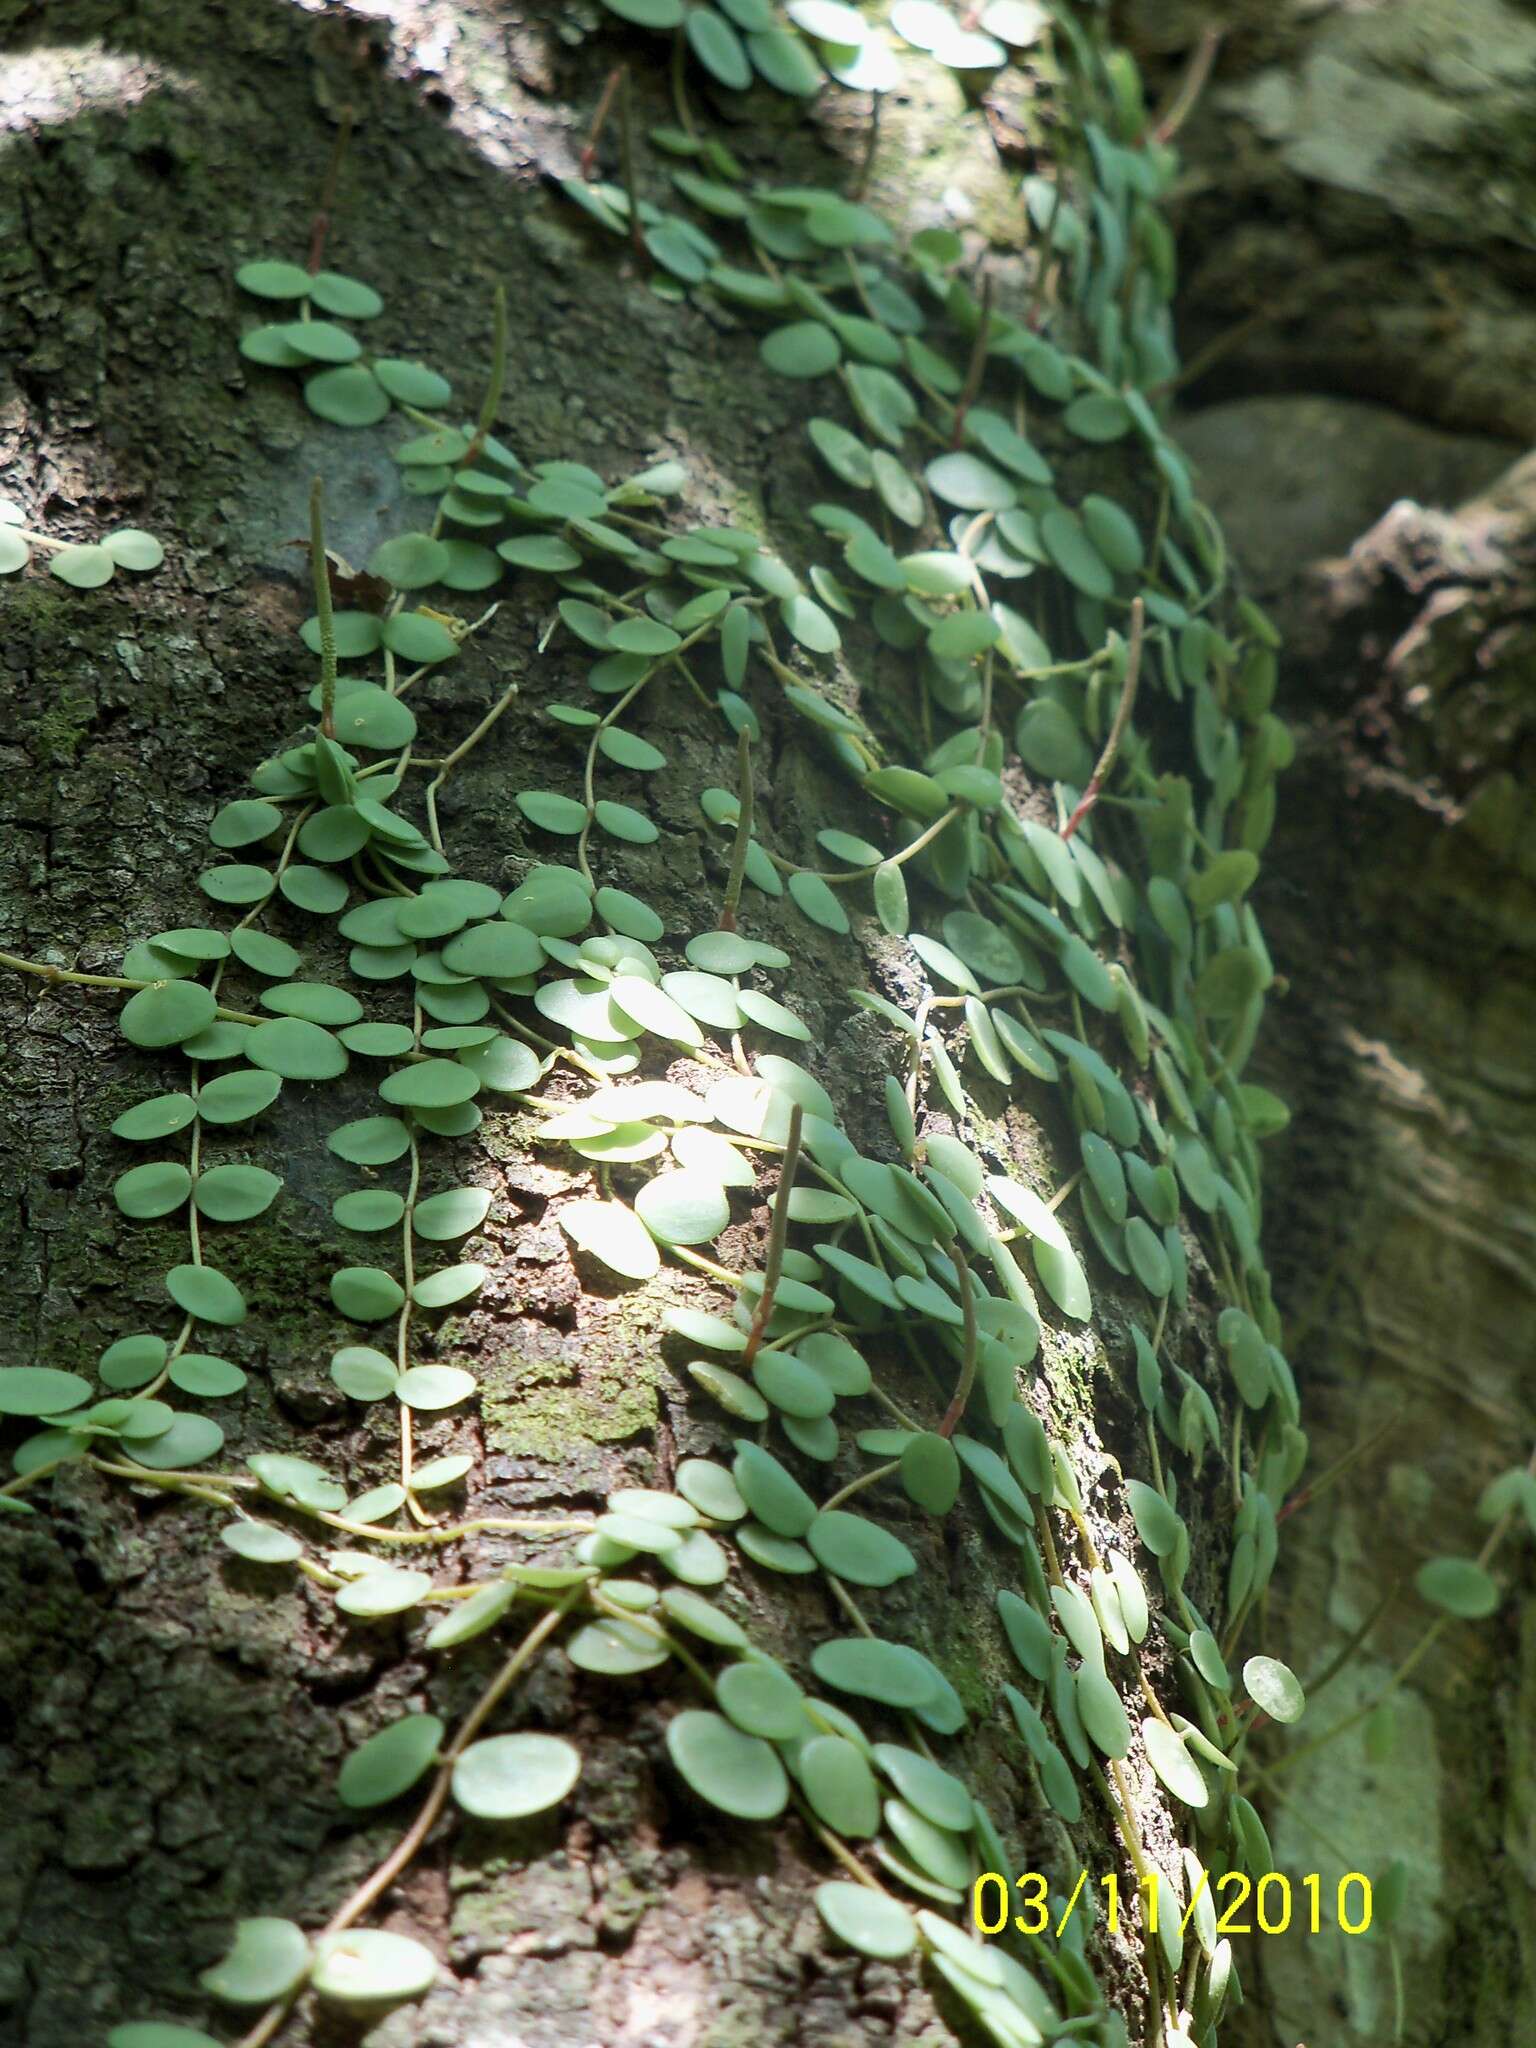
(743, 837)
(962, 1395)
(496, 383)
(858, 1485)
(320, 573)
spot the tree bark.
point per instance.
(1401, 1227)
(1353, 231)
(1356, 202)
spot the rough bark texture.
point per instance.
(1358, 200)
(1402, 1226)
(1356, 245)
(175, 1725)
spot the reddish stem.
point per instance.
(321, 224)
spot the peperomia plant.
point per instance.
(1062, 876)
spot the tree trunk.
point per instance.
(1402, 1226)
(1353, 229)
(179, 1715)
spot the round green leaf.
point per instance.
(1156, 1522)
(454, 1213)
(612, 1233)
(367, 716)
(943, 1856)
(366, 1294)
(390, 1762)
(628, 750)
(1103, 1714)
(319, 341)
(440, 1472)
(871, 1922)
(273, 280)
(416, 638)
(771, 1015)
(817, 901)
(429, 1387)
(762, 1699)
(785, 61)
(771, 1492)
(930, 1472)
(263, 954)
(509, 1776)
(854, 1548)
(642, 1006)
(262, 1542)
(313, 889)
(152, 1190)
(810, 625)
(711, 1489)
(623, 821)
(346, 297)
(965, 480)
(189, 1440)
(738, 1773)
(350, 396)
(160, 1117)
(805, 348)
(40, 1390)
(298, 1479)
(431, 1084)
(926, 1787)
(874, 1669)
(412, 383)
(370, 1141)
(130, 1362)
(363, 1373)
(211, 1378)
(233, 1194)
(1097, 416)
(550, 811)
(367, 1967)
(840, 1786)
(683, 1207)
(1275, 1688)
(167, 1013)
(791, 1386)
(296, 1050)
(1114, 533)
(773, 1553)
(447, 1287)
(379, 1041)
(1459, 1585)
(244, 822)
(891, 898)
(383, 1589)
(1174, 1765)
(237, 883)
(87, 568)
(410, 561)
(615, 1648)
(207, 1294)
(269, 1958)
(368, 1209)
(355, 634)
(1074, 554)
